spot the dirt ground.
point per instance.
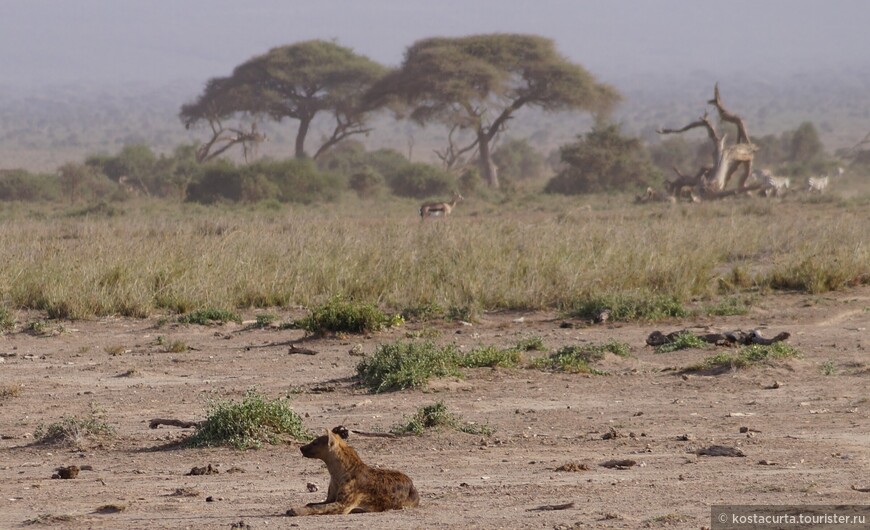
(808, 439)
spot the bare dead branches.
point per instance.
(452, 156)
(711, 182)
(224, 138)
(730, 117)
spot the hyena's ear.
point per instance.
(331, 438)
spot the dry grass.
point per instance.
(546, 253)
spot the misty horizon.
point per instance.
(97, 42)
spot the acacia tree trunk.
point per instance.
(488, 169)
(301, 133)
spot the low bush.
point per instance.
(204, 317)
(73, 431)
(746, 357)
(490, 356)
(251, 423)
(436, 416)
(344, 316)
(403, 365)
(421, 180)
(683, 341)
(579, 359)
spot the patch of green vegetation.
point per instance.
(579, 359)
(7, 321)
(628, 307)
(37, 327)
(463, 313)
(490, 356)
(683, 341)
(423, 312)
(73, 430)
(828, 368)
(531, 344)
(264, 320)
(248, 424)
(407, 365)
(204, 317)
(436, 416)
(747, 356)
(731, 306)
(345, 316)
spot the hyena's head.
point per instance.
(323, 446)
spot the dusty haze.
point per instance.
(92, 42)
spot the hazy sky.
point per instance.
(44, 42)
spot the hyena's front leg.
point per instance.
(343, 506)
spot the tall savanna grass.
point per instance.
(518, 254)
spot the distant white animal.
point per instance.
(817, 184)
(771, 184)
(439, 208)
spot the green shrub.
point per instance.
(490, 356)
(423, 312)
(628, 307)
(345, 316)
(579, 359)
(7, 321)
(462, 313)
(298, 180)
(264, 320)
(367, 183)
(248, 424)
(517, 159)
(603, 160)
(219, 181)
(436, 416)
(21, 185)
(531, 344)
(747, 356)
(73, 430)
(422, 180)
(683, 341)
(402, 365)
(204, 317)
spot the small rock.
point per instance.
(312, 487)
(619, 464)
(721, 450)
(209, 499)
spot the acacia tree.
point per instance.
(296, 82)
(478, 83)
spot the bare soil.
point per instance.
(805, 442)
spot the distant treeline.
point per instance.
(602, 160)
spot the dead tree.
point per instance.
(452, 156)
(222, 138)
(711, 182)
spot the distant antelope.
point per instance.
(439, 208)
(817, 184)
